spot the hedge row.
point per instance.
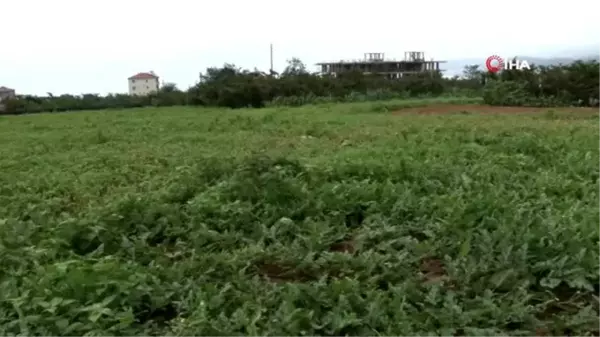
(230, 86)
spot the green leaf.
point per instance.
(62, 323)
(550, 283)
(581, 283)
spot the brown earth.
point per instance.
(455, 108)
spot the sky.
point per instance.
(92, 46)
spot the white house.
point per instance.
(143, 84)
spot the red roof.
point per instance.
(143, 76)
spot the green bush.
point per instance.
(574, 84)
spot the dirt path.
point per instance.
(455, 108)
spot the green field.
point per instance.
(324, 220)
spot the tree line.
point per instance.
(575, 84)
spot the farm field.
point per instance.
(387, 218)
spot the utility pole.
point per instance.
(271, 58)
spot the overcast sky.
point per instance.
(81, 46)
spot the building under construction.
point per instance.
(375, 63)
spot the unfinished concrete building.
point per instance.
(375, 63)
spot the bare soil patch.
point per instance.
(282, 272)
(432, 270)
(455, 108)
(345, 246)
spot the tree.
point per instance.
(169, 87)
(472, 72)
(295, 67)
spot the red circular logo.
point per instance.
(494, 64)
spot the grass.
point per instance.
(375, 102)
(325, 220)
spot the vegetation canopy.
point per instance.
(365, 218)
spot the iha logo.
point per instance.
(496, 63)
